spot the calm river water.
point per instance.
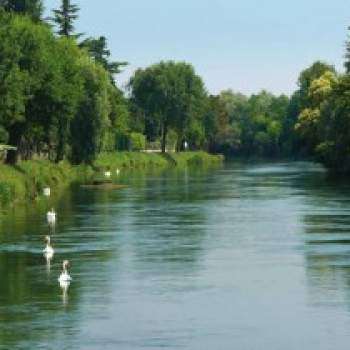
(250, 256)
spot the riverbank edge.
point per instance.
(26, 180)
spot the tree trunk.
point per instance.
(180, 143)
(15, 136)
(164, 134)
(62, 140)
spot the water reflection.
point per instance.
(48, 257)
(253, 255)
(64, 286)
(327, 235)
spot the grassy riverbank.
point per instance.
(138, 160)
(26, 180)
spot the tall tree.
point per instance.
(64, 18)
(97, 48)
(316, 84)
(171, 93)
(32, 8)
(24, 47)
(347, 54)
(291, 145)
(308, 75)
(89, 128)
(334, 127)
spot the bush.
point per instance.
(137, 141)
(6, 193)
(122, 142)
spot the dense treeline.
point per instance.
(56, 98)
(59, 99)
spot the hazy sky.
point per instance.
(245, 45)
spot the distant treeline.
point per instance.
(59, 99)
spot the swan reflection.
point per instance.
(64, 286)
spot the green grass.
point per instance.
(27, 179)
(117, 160)
(195, 158)
(12, 185)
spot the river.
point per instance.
(247, 256)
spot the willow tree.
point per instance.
(170, 94)
(89, 128)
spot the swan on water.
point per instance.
(108, 173)
(64, 276)
(48, 250)
(51, 216)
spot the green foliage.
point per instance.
(118, 160)
(25, 53)
(40, 94)
(64, 18)
(170, 95)
(97, 48)
(183, 159)
(137, 141)
(307, 76)
(59, 100)
(333, 148)
(32, 8)
(235, 124)
(324, 116)
(6, 193)
(3, 134)
(55, 101)
(118, 133)
(27, 179)
(319, 87)
(347, 54)
(89, 127)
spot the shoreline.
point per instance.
(26, 180)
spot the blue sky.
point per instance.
(245, 45)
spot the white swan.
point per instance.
(51, 216)
(64, 276)
(48, 250)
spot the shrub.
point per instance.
(137, 141)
